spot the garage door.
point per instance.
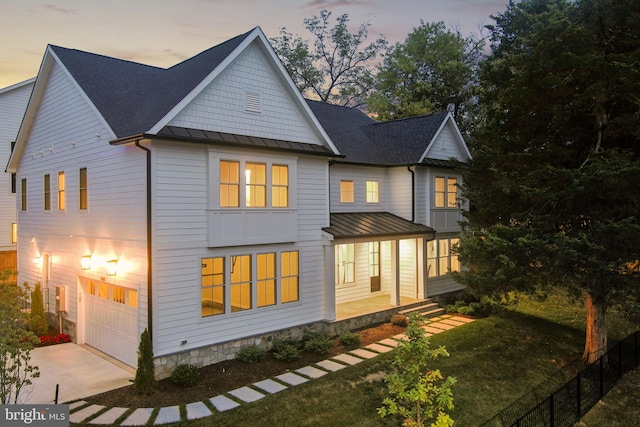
(111, 320)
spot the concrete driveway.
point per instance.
(80, 371)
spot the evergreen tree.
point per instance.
(37, 319)
(145, 381)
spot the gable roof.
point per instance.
(363, 140)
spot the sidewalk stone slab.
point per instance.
(452, 322)
(291, 378)
(110, 416)
(246, 394)
(223, 403)
(311, 372)
(139, 417)
(442, 325)
(432, 330)
(77, 404)
(348, 359)
(330, 365)
(378, 348)
(389, 342)
(85, 413)
(401, 337)
(365, 354)
(463, 319)
(167, 415)
(270, 386)
(197, 410)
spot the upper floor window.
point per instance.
(264, 184)
(347, 192)
(83, 191)
(47, 192)
(62, 195)
(280, 186)
(229, 184)
(255, 185)
(372, 192)
(23, 194)
(446, 192)
(14, 232)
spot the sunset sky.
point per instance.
(165, 32)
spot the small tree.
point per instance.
(16, 343)
(145, 380)
(37, 320)
(418, 394)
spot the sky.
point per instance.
(165, 32)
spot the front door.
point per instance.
(374, 266)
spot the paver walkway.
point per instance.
(84, 412)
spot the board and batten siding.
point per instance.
(359, 175)
(222, 106)
(68, 135)
(13, 103)
(181, 200)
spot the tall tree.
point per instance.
(338, 69)
(553, 182)
(435, 69)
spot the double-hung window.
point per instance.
(446, 192)
(23, 194)
(440, 257)
(372, 192)
(240, 283)
(289, 270)
(229, 184)
(347, 191)
(213, 286)
(47, 192)
(254, 184)
(62, 195)
(280, 186)
(266, 279)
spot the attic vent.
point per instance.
(252, 102)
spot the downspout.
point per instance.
(413, 193)
(149, 270)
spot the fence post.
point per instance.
(552, 410)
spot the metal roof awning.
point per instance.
(375, 225)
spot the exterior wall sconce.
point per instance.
(112, 267)
(85, 262)
(37, 259)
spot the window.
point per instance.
(256, 185)
(266, 279)
(372, 192)
(347, 194)
(13, 175)
(279, 186)
(47, 192)
(240, 283)
(345, 264)
(23, 194)
(213, 281)
(440, 259)
(103, 290)
(82, 186)
(62, 197)
(14, 232)
(229, 184)
(290, 276)
(446, 192)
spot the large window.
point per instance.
(23, 194)
(229, 184)
(240, 283)
(446, 192)
(47, 192)
(345, 264)
(347, 192)
(255, 185)
(372, 192)
(290, 276)
(82, 187)
(213, 281)
(266, 279)
(279, 186)
(62, 195)
(440, 257)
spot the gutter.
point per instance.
(149, 235)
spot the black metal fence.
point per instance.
(576, 397)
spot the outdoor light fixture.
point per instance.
(85, 262)
(112, 267)
(36, 260)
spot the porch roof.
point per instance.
(374, 224)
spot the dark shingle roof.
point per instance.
(374, 224)
(133, 97)
(363, 140)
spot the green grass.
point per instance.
(496, 360)
(619, 408)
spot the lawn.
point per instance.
(496, 360)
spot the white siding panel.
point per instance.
(359, 175)
(400, 196)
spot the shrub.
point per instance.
(37, 320)
(286, 350)
(350, 338)
(399, 320)
(145, 380)
(185, 375)
(317, 342)
(251, 354)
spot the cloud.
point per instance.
(57, 9)
(327, 4)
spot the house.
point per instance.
(212, 204)
(13, 102)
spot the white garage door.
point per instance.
(111, 320)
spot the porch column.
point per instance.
(421, 251)
(395, 273)
(330, 286)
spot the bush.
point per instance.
(145, 380)
(37, 320)
(185, 375)
(350, 338)
(286, 350)
(399, 320)
(251, 354)
(317, 342)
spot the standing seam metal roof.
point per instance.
(374, 224)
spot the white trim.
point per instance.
(448, 118)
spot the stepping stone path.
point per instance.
(83, 412)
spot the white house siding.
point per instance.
(13, 102)
(400, 197)
(181, 200)
(447, 145)
(222, 106)
(359, 175)
(67, 135)
(423, 195)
